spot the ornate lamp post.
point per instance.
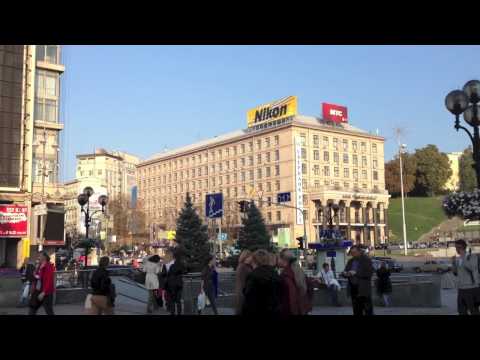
(466, 102)
(83, 199)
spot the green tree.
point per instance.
(433, 170)
(254, 234)
(392, 174)
(468, 178)
(191, 237)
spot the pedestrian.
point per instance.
(44, 287)
(208, 283)
(151, 267)
(359, 271)
(294, 285)
(384, 284)
(243, 269)
(465, 268)
(327, 277)
(263, 288)
(172, 275)
(102, 299)
(27, 270)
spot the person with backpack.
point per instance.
(465, 268)
(102, 296)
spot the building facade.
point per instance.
(29, 142)
(318, 162)
(453, 183)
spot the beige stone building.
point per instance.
(30, 125)
(318, 162)
(453, 182)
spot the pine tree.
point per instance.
(191, 237)
(254, 234)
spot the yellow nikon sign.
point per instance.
(273, 111)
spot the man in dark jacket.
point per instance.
(263, 288)
(172, 279)
(359, 271)
(103, 291)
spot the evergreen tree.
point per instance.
(191, 237)
(254, 234)
(468, 178)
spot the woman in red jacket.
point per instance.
(44, 287)
(294, 284)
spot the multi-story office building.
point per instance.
(318, 162)
(29, 143)
(115, 170)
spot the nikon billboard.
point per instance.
(280, 109)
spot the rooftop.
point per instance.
(298, 120)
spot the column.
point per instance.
(375, 228)
(364, 221)
(349, 228)
(385, 221)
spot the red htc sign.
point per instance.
(13, 220)
(335, 113)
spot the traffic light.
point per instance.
(243, 206)
(300, 242)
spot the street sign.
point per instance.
(283, 197)
(214, 205)
(222, 236)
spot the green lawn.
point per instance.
(421, 215)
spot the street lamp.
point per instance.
(466, 101)
(83, 199)
(401, 150)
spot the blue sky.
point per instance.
(141, 99)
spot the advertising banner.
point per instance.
(335, 113)
(273, 111)
(13, 220)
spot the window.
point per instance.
(269, 216)
(227, 152)
(259, 158)
(259, 173)
(345, 158)
(346, 173)
(242, 161)
(375, 175)
(335, 144)
(276, 140)
(346, 185)
(317, 184)
(277, 170)
(345, 145)
(267, 157)
(279, 216)
(46, 96)
(269, 186)
(316, 170)
(267, 142)
(277, 155)
(355, 160)
(375, 164)
(335, 158)
(304, 168)
(363, 147)
(315, 141)
(199, 171)
(303, 139)
(99, 172)
(277, 185)
(326, 171)
(251, 174)
(206, 170)
(364, 186)
(326, 156)
(325, 142)
(374, 148)
(336, 172)
(364, 174)
(267, 172)
(235, 164)
(304, 154)
(219, 154)
(47, 53)
(375, 187)
(250, 160)
(243, 148)
(250, 146)
(234, 150)
(228, 179)
(90, 173)
(259, 144)
(242, 176)
(364, 161)
(355, 174)
(316, 155)
(213, 181)
(220, 167)
(235, 177)
(220, 180)
(260, 187)
(354, 146)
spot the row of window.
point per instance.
(260, 173)
(213, 155)
(336, 172)
(336, 158)
(345, 143)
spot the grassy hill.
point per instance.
(421, 215)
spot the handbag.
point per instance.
(201, 301)
(88, 302)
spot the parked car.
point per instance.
(392, 265)
(433, 266)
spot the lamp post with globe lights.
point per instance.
(465, 102)
(84, 199)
